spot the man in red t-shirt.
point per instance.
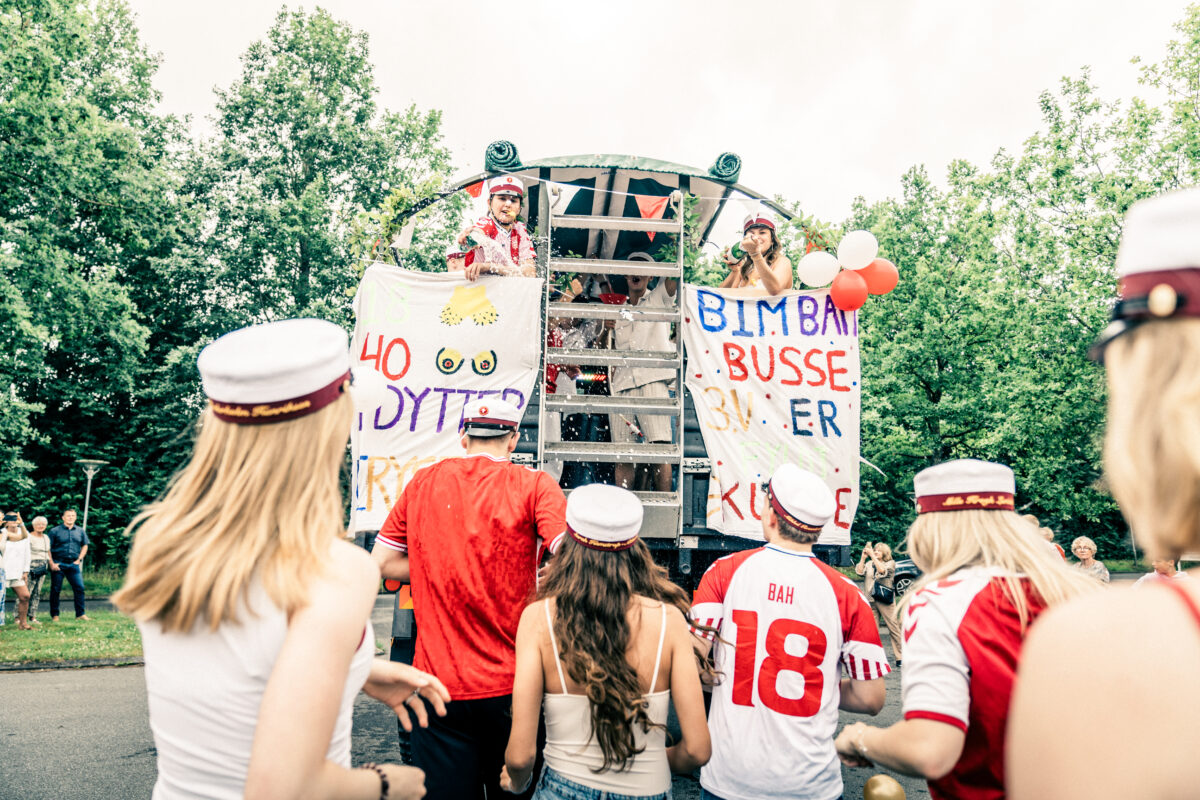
(467, 534)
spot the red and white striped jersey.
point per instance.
(787, 624)
(962, 641)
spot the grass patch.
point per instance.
(106, 635)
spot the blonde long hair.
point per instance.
(253, 499)
(943, 542)
(1152, 447)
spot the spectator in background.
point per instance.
(1164, 570)
(16, 566)
(68, 546)
(877, 566)
(1046, 534)
(1084, 549)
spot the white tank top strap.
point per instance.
(662, 636)
(553, 644)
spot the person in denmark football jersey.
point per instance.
(986, 579)
(787, 624)
(1107, 699)
(508, 249)
(467, 534)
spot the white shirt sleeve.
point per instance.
(936, 681)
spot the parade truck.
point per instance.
(757, 380)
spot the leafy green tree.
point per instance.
(301, 152)
(84, 207)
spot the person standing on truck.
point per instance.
(468, 533)
(765, 266)
(648, 382)
(502, 245)
(787, 623)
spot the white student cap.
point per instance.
(275, 372)
(757, 220)
(491, 416)
(800, 498)
(639, 256)
(1158, 264)
(604, 517)
(965, 484)
(506, 184)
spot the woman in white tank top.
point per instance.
(254, 616)
(605, 649)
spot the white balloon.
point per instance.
(818, 268)
(857, 249)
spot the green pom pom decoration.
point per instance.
(502, 156)
(727, 167)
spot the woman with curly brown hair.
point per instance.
(606, 648)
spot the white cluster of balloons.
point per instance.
(856, 251)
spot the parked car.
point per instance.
(906, 574)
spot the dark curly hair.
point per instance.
(592, 591)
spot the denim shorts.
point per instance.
(552, 786)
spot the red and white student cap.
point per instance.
(1158, 264)
(491, 416)
(801, 498)
(604, 517)
(757, 220)
(506, 184)
(963, 485)
(275, 372)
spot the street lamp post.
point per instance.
(91, 466)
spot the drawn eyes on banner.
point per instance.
(484, 363)
(449, 360)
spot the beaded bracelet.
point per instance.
(383, 781)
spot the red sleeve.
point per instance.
(862, 649)
(708, 603)
(394, 533)
(549, 510)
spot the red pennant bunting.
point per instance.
(475, 189)
(651, 207)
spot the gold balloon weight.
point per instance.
(883, 787)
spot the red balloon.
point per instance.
(849, 290)
(881, 276)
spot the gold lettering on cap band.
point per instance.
(992, 501)
(596, 544)
(283, 410)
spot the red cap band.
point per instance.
(758, 222)
(596, 544)
(282, 410)
(986, 501)
(1185, 283)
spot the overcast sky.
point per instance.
(822, 100)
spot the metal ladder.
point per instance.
(663, 512)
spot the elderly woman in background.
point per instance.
(1139, 651)
(1084, 549)
(39, 566)
(876, 566)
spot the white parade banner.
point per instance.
(436, 342)
(773, 379)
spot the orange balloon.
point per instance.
(881, 276)
(849, 290)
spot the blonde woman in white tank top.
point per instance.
(605, 650)
(254, 613)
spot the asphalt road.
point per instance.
(85, 735)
